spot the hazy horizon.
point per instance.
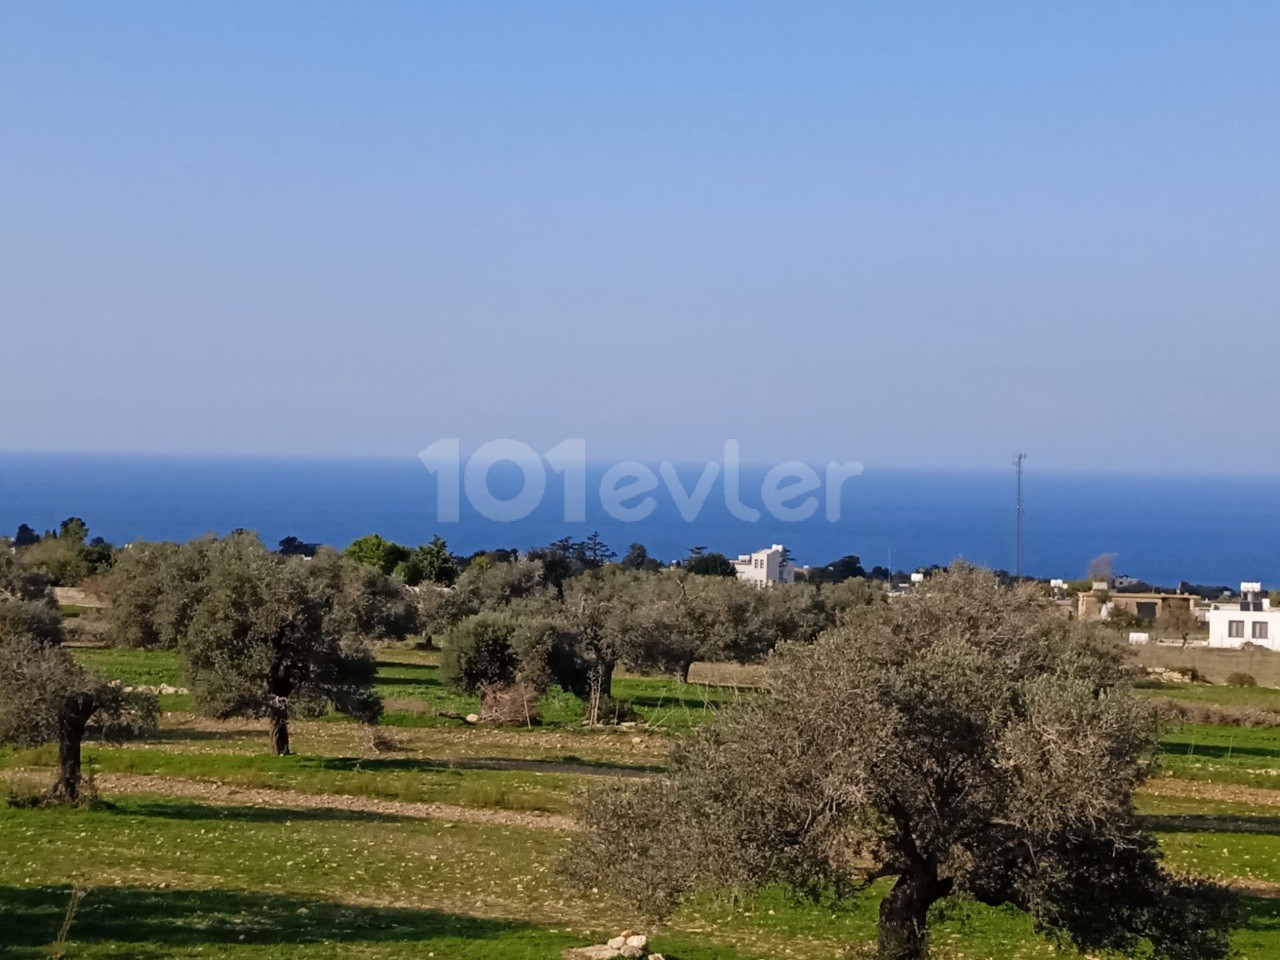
(1002, 469)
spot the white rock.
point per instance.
(638, 940)
(631, 952)
(473, 718)
(617, 943)
(598, 952)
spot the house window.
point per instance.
(1235, 629)
(1259, 629)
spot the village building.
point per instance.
(765, 567)
(1249, 620)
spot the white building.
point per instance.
(765, 567)
(1248, 620)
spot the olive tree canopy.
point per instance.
(966, 741)
(276, 636)
(45, 696)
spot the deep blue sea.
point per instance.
(1217, 530)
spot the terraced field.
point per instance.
(446, 844)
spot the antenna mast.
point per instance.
(1018, 511)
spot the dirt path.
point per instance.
(229, 795)
(1203, 790)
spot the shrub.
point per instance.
(126, 715)
(1241, 680)
(479, 652)
(1192, 674)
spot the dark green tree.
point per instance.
(637, 558)
(595, 552)
(377, 552)
(431, 563)
(709, 564)
(293, 547)
(73, 529)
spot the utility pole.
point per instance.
(1018, 511)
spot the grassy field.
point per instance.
(183, 856)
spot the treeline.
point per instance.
(522, 626)
(291, 632)
(64, 556)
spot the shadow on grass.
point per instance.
(428, 682)
(1259, 915)
(572, 765)
(569, 765)
(181, 810)
(1211, 823)
(179, 734)
(151, 922)
(408, 665)
(657, 702)
(1183, 748)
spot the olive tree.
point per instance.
(154, 589)
(483, 586)
(966, 741)
(45, 696)
(275, 637)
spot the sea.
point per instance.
(1161, 529)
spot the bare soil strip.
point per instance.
(230, 795)
(1203, 790)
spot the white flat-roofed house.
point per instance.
(765, 567)
(1251, 619)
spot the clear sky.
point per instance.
(905, 233)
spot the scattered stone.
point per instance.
(599, 952)
(628, 944)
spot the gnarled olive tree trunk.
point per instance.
(72, 721)
(904, 914)
(278, 716)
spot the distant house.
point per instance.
(1248, 620)
(1100, 602)
(765, 567)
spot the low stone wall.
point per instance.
(1214, 664)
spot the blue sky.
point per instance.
(906, 233)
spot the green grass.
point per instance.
(409, 681)
(664, 703)
(1257, 698)
(178, 879)
(150, 668)
(1232, 755)
(392, 778)
(172, 878)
